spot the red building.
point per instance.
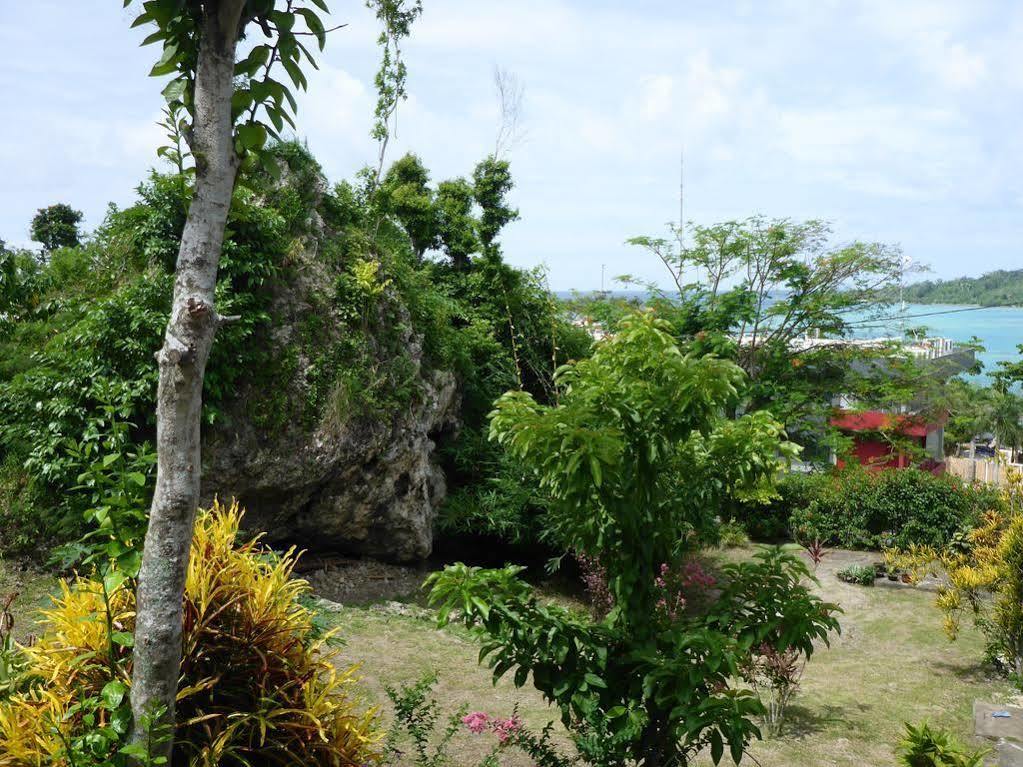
(877, 436)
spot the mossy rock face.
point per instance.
(330, 459)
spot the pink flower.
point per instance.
(505, 728)
(476, 721)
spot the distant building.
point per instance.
(873, 432)
(591, 326)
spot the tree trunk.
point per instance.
(182, 362)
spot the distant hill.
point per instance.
(1001, 288)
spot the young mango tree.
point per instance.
(231, 105)
(638, 457)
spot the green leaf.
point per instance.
(113, 580)
(160, 70)
(282, 20)
(122, 638)
(270, 166)
(175, 89)
(595, 681)
(113, 693)
(521, 674)
(717, 747)
(275, 118)
(257, 58)
(315, 25)
(482, 607)
(295, 73)
(252, 136)
(121, 720)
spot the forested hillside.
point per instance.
(999, 288)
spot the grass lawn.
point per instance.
(891, 664)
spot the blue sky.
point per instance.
(896, 121)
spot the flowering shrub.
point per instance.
(511, 733)
(680, 588)
(416, 718)
(594, 578)
(478, 722)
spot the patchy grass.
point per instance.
(394, 649)
(891, 664)
(33, 588)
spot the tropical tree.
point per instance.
(410, 200)
(1010, 374)
(456, 224)
(492, 181)
(233, 105)
(638, 459)
(777, 296)
(1004, 417)
(56, 227)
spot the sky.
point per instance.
(898, 122)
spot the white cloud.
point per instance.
(655, 96)
(710, 90)
(929, 31)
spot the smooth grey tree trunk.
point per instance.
(182, 361)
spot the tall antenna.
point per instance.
(681, 195)
(682, 210)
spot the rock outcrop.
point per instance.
(359, 489)
(360, 483)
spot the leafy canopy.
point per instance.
(261, 103)
(56, 227)
(637, 454)
(760, 291)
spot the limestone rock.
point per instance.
(364, 484)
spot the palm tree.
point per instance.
(1005, 419)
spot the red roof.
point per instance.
(875, 420)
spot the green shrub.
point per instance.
(858, 509)
(864, 575)
(766, 517)
(638, 459)
(732, 535)
(78, 331)
(926, 747)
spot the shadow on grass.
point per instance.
(976, 672)
(801, 721)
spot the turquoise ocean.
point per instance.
(999, 328)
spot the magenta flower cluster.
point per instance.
(679, 587)
(478, 722)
